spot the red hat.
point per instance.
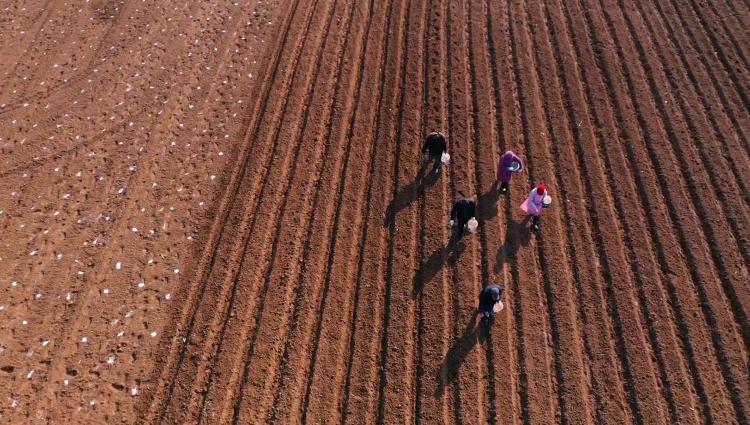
(541, 188)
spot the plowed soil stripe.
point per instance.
(624, 106)
(401, 220)
(336, 299)
(275, 289)
(465, 361)
(650, 296)
(170, 368)
(361, 385)
(695, 89)
(502, 363)
(731, 266)
(320, 280)
(435, 312)
(711, 47)
(265, 200)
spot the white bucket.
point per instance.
(445, 158)
(514, 167)
(472, 225)
(547, 201)
(498, 307)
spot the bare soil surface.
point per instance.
(217, 212)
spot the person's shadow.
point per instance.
(411, 192)
(430, 267)
(487, 203)
(517, 234)
(456, 355)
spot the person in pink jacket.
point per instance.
(509, 163)
(534, 203)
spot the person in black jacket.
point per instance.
(436, 145)
(490, 296)
(463, 210)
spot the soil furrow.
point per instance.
(419, 70)
(654, 307)
(326, 357)
(643, 407)
(626, 114)
(730, 133)
(388, 135)
(589, 275)
(431, 281)
(731, 267)
(464, 361)
(660, 335)
(456, 130)
(516, 236)
(361, 385)
(651, 296)
(176, 352)
(330, 358)
(696, 122)
(399, 348)
(681, 124)
(219, 212)
(485, 152)
(738, 12)
(530, 264)
(728, 100)
(726, 28)
(711, 47)
(269, 200)
(430, 32)
(502, 363)
(313, 134)
(300, 353)
(563, 141)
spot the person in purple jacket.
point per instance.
(509, 163)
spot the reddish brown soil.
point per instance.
(260, 163)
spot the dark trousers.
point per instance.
(503, 186)
(461, 223)
(438, 161)
(535, 220)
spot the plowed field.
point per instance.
(217, 212)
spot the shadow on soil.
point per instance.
(444, 255)
(411, 192)
(487, 203)
(517, 234)
(475, 331)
